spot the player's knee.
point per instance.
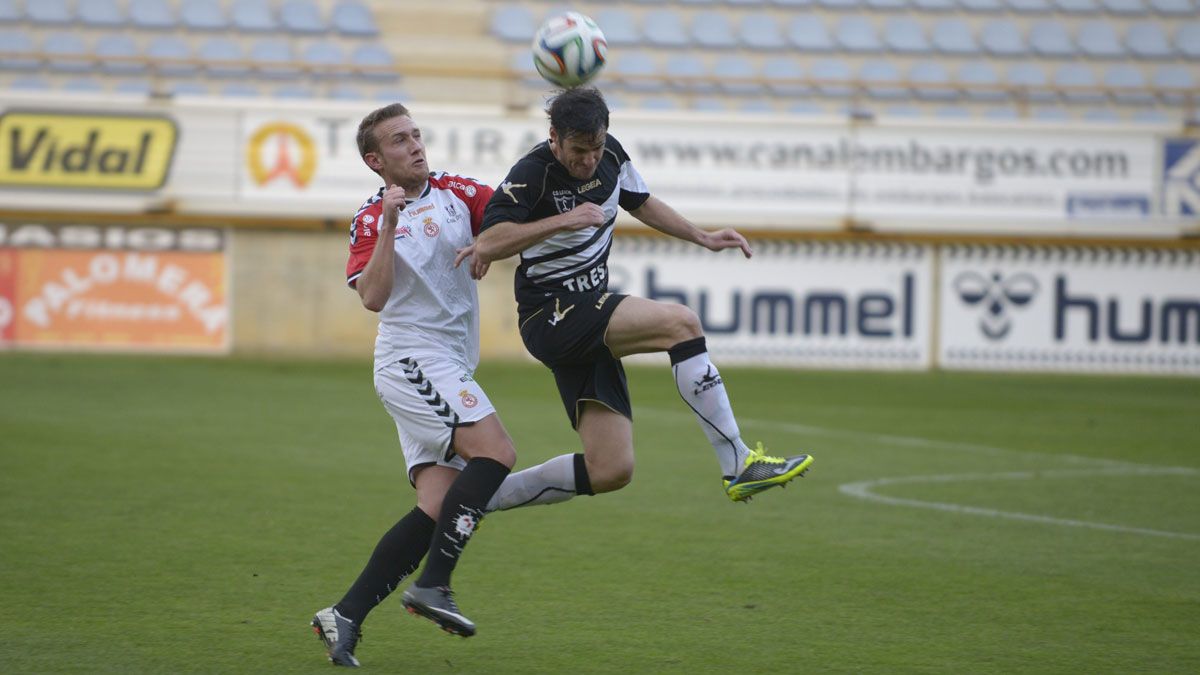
(612, 477)
(685, 324)
(432, 506)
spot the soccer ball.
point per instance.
(569, 49)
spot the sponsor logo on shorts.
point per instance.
(602, 300)
(559, 314)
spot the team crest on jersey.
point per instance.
(564, 200)
(468, 400)
(432, 229)
(452, 214)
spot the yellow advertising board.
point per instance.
(85, 150)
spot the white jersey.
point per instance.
(433, 308)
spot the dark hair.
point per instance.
(579, 111)
(366, 128)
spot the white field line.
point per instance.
(864, 489)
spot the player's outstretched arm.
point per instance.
(659, 215)
(505, 239)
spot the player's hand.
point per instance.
(727, 238)
(478, 267)
(585, 215)
(393, 204)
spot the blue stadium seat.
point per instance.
(273, 59)
(697, 2)
(1101, 115)
(1098, 39)
(83, 85)
(1124, 7)
(514, 23)
(373, 62)
(1055, 114)
(1173, 83)
(807, 108)
(343, 92)
(293, 91)
(167, 53)
(981, 6)
(902, 111)
(955, 112)
(882, 80)
(761, 31)
(521, 62)
(1147, 116)
(1050, 38)
(1003, 38)
(783, 75)
(838, 4)
(737, 3)
(1004, 112)
(1077, 6)
(619, 27)
(240, 90)
(1147, 40)
(887, 5)
(713, 30)
(9, 12)
(808, 34)
(664, 28)
(1068, 76)
(223, 57)
(302, 17)
(953, 36)
(1030, 82)
(709, 104)
(53, 12)
(203, 15)
(905, 35)
(187, 88)
(30, 83)
(735, 74)
(793, 4)
(980, 81)
(756, 106)
(18, 51)
(118, 54)
(934, 5)
(857, 34)
(66, 53)
(101, 13)
(687, 72)
(153, 14)
(659, 103)
(930, 81)
(1029, 6)
(1174, 7)
(326, 60)
(835, 72)
(1187, 39)
(637, 70)
(139, 87)
(351, 17)
(1123, 75)
(253, 16)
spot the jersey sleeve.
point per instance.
(633, 188)
(364, 233)
(478, 204)
(515, 198)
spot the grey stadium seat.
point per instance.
(253, 16)
(273, 59)
(1124, 75)
(713, 30)
(1147, 40)
(118, 54)
(783, 75)
(374, 62)
(709, 104)
(353, 18)
(152, 14)
(1174, 7)
(101, 13)
(981, 6)
(326, 59)
(953, 36)
(882, 80)
(933, 5)
(930, 81)
(240, 90)
(1030, 81)
(1187, 39)
(664, 28)
(857, 34)
(514, 23)
(134, 87)
(54, 12)
(1071, 75)
(9, 12)
(637, 71)
(1003, 38)
(838, 76)
(83, 85)
(223, 57)
(302, 17)
(203, 15)
(1101, 115)
(1029, 6)
(1173, 82)
(687, 72)
(293, 91)
(838, 4)
(808, 34)
(1050, 38)
(167, 52)
(1077, 6)
(66, 53)
(887, 5)
(735, 73)
(980, 81)
(659, 103)
(1124, 7)
(761, 31)
(905, 35)
(18, 51)
(619, 27)
(1098, 39)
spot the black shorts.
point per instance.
(567, 334)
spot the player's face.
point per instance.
(400, 159)
(579, 153)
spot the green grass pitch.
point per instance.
(175, 515)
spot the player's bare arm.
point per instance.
(478, 267)
(660, 216)
(506, 239)
(374, 285)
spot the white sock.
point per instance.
(550, 482)
(701, 387)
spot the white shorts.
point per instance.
(429, 398)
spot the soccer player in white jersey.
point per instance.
(556, 209)
(406, 246)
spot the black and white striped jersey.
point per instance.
(539, 187)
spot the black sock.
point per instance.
(583, 484)
(396, 556)
(687, 349)
(462, 509)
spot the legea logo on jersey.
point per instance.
(1181, 177)
(94, 151)
(995, 294)
(281, 152)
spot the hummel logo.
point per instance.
(995, 294)
(708, 381)
(559, 315)
(508, 186)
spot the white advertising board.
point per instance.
(794, 303)
(1069, 309)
